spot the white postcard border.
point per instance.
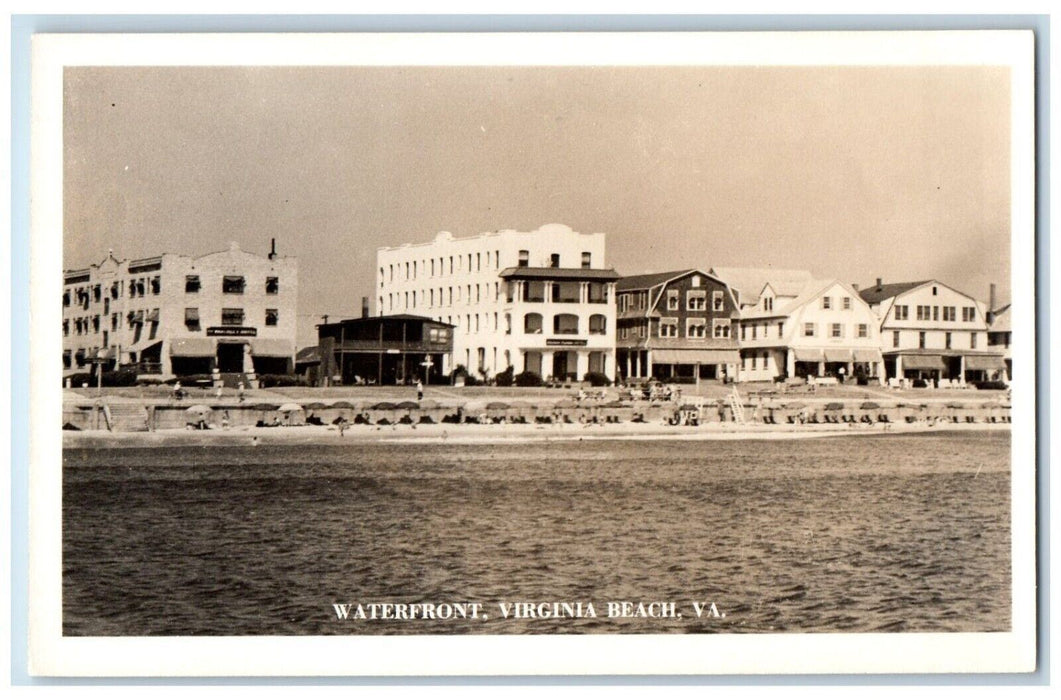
(53, 654)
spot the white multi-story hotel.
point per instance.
(231, 311)
(540, 301)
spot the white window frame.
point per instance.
(699, 296)
(718, 324)
(668, 322)
(696, 322)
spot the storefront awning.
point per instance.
(867, 355)
(837, 355)
(152, 316)
(807, 355)
(192, 347)
(984, 362)
(923, 362)
(272, 347)
(692, 357)
(141, 346)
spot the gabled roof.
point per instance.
(562, 273)
(1002, 322)
(648, 281)
(875, 294)
(750, 281)
(810, 291)
(308, 355)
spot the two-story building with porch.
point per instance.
(678, 325)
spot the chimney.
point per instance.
(272, 250)
(364, 307)
(879, 284)
(854, 285)
(991, 301)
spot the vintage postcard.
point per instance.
(454, 354)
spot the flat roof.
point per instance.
(561, 273)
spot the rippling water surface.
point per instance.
(890, 533)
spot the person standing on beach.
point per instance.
(224, 419)
(419, 390)
(239, 391)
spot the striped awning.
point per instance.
(923, 362)
(808, 354)
(192, 347)
(837, 355)
(867, 355)
(691, 357)
(984, 362)
(272, 347)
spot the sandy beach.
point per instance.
(499, 434)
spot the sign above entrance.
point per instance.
(565, 342)
(242, 331)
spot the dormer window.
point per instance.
(768, 303)
(524, 258)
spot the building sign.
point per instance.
(242, 331)
(565, 342)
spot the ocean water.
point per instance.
(850, 534)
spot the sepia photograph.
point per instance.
(646, 354)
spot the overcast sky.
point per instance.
(856, 173)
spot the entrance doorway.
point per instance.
(563, 365)
(230, 357)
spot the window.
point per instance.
(524, 258)
(272, 285)
(668, 327)
(156, 286)
(754, 358)
(598, 324)
(921, 340)
(847, 303)
(696, 281)
(902, 313)
(968, 313)
(565, 324)
(478, 262)
(755, 331)
(780, 328)
(566, 292)
(624, 333)
(946, 340)
(695, 328)
(532, 323)
(114, 321)
(115, 290)
(272, 317)
(935, 291)
(827, 302)
(718, 301)
(895, 339)
(950, 313)
(863, 330)
(191, 319)
(554, 260)
(696, 301)
(96, 292)
(66, 326)
(837, 330)
(95, 324)
(972, 340)
(808, 330)
(673, 299)
(231, 317)
(66, 298)
(924, 313)
(508, 324)
(935, 313)
(232, 284)
(586, 260)
(743, 331)
(768, 303)
(598, 293)
(720, 328)
(534, 291)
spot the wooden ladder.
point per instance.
(735, 406)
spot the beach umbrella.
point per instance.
(428, 403)
(834, 406)
(198, 410)
(383, 406)
(497, 406)
(405, 405)
(316, 405)
(289, 408)
(264, 407)
(869, 406)
(794, 406)
(565, 403)
(342, 404)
